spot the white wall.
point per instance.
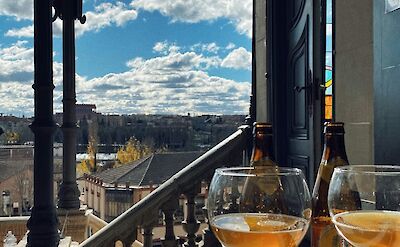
(354, 77)
(261, 91)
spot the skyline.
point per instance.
(138, 57)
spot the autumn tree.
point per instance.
(132, 150)
(12, 137)
(89, 165)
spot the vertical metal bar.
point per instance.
(69, 193)
(43, 222)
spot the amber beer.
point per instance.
(334, 155)
(262, 159)
(370, 228)
(259, 230)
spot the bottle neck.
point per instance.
(262, 147)
(334, 147)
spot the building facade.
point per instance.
(111, 192)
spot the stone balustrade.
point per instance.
(139, 221)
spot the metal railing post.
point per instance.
(43, 222)
(68, 11)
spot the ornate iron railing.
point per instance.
(144, 214)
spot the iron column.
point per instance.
(68, 195)
(43, 222)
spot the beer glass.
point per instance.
(259, 206)
(375, 222)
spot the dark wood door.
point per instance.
(302, 101)
(386, 85)
(386, 97)
(295, 45)
(296, 69)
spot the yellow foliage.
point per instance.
(89, 165)
(133, 150)
(92, 151)
(83, 168)
(12, 137)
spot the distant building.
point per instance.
(83, 111)
(16, 177)
(16, 187)
(111, 192)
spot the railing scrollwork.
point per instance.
(61, 8)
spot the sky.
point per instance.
(138, 57)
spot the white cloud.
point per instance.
(206, 47)
(166, 47)
(230, 46)
(20, 32)
(176, 61)
(104, 15)
(173, 83)
(15, 60)
(170, 84)
(239, 58)
(16, 79)
(160, 47)
(239, 12)
(21, 9)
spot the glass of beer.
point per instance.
(364, 203)
(259, 206)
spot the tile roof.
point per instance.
(112, 175)
(151, 170)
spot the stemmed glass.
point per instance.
(364, 203)
(259, 206)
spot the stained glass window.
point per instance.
(329, 63)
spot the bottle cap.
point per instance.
(334, 127)
(263, 127)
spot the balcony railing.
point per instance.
(144, 214)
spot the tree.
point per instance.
(133, 150)
(12, 137)
(89, 165)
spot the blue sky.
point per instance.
(138, 56)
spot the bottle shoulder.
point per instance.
(327, 166)
(324, 176)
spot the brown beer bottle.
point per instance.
(262, 153)
(261, 195)
(334, 155)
